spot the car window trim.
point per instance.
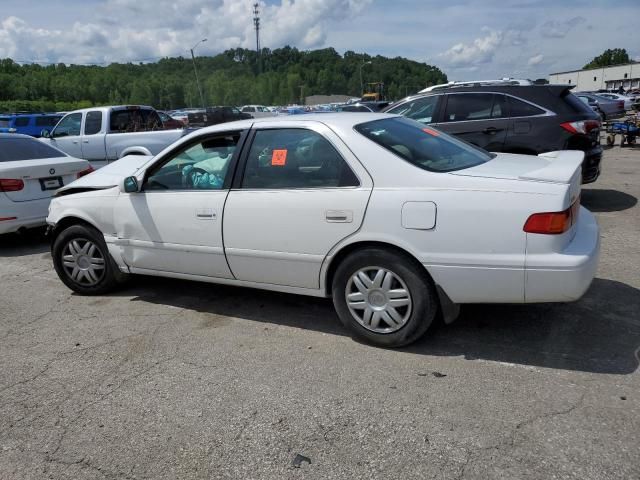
(231, 170)
(547, 112)
(242, 166)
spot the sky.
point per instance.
(466, 39)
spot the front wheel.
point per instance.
(82, 261)
(383, 297)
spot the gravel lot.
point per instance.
(170, 379)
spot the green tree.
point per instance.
(615, 56)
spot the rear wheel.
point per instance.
(383, 297)
(82, 261)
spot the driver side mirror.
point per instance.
(130, 185)
(45, 133)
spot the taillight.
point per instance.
(11, 184)
(621, 104)
(85, 172)
(553, 223)
(583, 126)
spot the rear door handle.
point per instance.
(339, 216)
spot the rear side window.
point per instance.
(93, 123)
(22, 121)
(134, 120)
(472, 106)
(295, 158)
(421, 109)
(426, 148)
(578, 105)
(47, 121)
(523, 109)
(12, 149)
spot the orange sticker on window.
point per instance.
(279, 158)
(431, 132)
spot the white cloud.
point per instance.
(560, 29)
(535, 60)
(139, 30)
(479, 52)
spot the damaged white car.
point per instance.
(393, 220)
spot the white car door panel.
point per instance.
(302, 192)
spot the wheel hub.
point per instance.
(83, 262)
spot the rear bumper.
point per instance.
(28, 214)
(565, 276)
(591, 164)
(10, 226)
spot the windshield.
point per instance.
(426, 148)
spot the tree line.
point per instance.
(235, 77)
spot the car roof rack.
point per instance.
(478, 83)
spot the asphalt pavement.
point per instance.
(170, 379)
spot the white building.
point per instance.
(627, 75)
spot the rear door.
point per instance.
(93, 138)
(301, 193)
(480, 118)
(66, 135)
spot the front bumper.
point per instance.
(566, 276)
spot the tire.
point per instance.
(83, 263)
(369, 315)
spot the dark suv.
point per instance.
(529, 119)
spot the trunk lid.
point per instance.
(42, 177)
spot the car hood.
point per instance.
(109, 176)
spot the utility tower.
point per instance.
(256, 25)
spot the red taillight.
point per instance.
(621, 104)
(583, 126)
(11, 184)
(85, 172)
(3, 219)
(553, 223)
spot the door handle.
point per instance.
(85, 141)
(339, 216)
(490, 130)
(75, 142)
(205, 214)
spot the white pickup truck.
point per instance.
(105, 134)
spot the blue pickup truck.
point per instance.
(28, 123)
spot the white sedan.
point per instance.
(395, 221)
(30, 173)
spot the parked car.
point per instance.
(365, 106)
(609, 109)
(216, 115)
(30, 172)
(628, 102)
(513, 118)
(28, 123)
(393, 220)
(257, 111)
(105, 134)
(168, 122)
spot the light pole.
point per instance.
(362, 84)
(195, 70)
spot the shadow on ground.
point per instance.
(598, 200)
(28, 243)
(600, 333)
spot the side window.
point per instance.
(499, 109)
(47, 121)
(295, 158)
(200, 166)
(248, 109)
(93, 123)
(420, 109)
(21, 122)
(468, 106)
(523, 109)
(69, 126)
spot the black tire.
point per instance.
(109, 277)
(423, 295)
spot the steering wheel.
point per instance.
(190, 176)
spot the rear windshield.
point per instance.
(426, 148)
(576, 104)
(4, 122)
(12, 149)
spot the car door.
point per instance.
(174, 223)
(479, 118)
(301, 192)
(93, 139)
(66, 135)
